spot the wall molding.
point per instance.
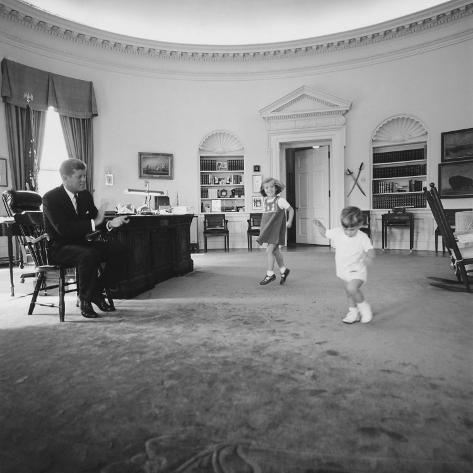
(29, 17)
(221, 142)
(399, 129)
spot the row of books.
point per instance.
(382, 187)
(398, 200)
(216, 165)
(214, 193)
(394, 156)
(208, 179)
(219, 206)
(400, 171)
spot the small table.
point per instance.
(404, 219)
(9, 229)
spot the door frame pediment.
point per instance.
(305, 102)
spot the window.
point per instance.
(54, 153)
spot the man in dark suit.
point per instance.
(70, 215)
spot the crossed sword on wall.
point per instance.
(349, 172)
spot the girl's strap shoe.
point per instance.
(284, 276)
(267, 279)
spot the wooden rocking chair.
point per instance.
(458, 261)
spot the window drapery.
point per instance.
(79, 142)
(68, 96)
(19, 135)
(73, 99)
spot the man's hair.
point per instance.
(279, 186)
(351, 217)
(70, 165)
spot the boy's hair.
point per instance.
(277, 184)
(351, 217)
(70, 165)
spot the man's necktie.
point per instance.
(74, 201)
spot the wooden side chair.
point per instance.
(254, 226)
(366, 227)
(48, 276)
(459, 262)
(216, 225)
(16, 202)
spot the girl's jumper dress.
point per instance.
(273, 223)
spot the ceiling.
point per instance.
(229, 22)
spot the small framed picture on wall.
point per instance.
(257, 203)
(257, 180)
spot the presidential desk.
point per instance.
(158, 248)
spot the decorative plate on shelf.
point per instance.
(223, 193)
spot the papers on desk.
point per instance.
(6, 219)
(125, 209)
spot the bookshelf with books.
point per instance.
(222, 186)
(398, 176)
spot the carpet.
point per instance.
(212, 372)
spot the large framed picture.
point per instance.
(457, 144)
(456, 179)
(3, 172)
(155, 165)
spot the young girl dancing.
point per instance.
(353, 252)
(273, 227)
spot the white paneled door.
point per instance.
(312, 194)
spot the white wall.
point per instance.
(154, 105)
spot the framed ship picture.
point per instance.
(155, 165)
(456, 179)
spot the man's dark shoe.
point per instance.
(284, 276)
(267, 279)
(101, 303)
(87, 311)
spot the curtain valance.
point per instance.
(70, 97)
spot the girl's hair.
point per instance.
(277, 184)
(351, 217)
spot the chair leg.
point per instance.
(464, 276)
(250, 242)
(37, 287)
(62, 309)
(205, 243)
(109, 298)
(77, 289)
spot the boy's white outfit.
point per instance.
(350, 264)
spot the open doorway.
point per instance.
(308, 190)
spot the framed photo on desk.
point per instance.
(456, 179)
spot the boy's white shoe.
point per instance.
(365, 311)
(352, 316)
